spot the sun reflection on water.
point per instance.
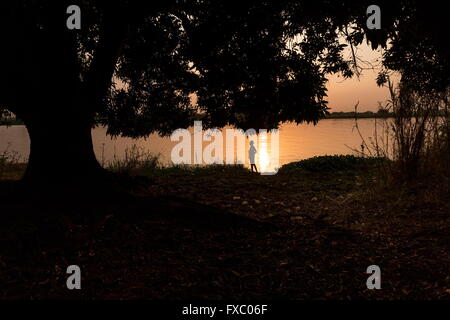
(263, 154)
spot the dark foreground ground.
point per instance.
(224, 233)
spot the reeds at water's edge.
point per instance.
(417, 138)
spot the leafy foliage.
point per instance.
(143, 67)
(419, 47)
(331, 164)
(252, 64)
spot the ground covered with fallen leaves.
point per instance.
(225, 233)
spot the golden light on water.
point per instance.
(264, 156)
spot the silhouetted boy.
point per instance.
(251, 155)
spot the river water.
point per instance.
(296, 142)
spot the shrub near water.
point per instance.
(9, 160)
(141, 162)
(135, 159)
(332, 164)
(418, 138)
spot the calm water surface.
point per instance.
(329, 137)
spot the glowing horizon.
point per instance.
(344, 94)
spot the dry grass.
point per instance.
(10, 164)
(135, 159)
(417, 138)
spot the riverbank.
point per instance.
(218, 232)
(359, 115)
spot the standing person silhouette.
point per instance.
(251, 156)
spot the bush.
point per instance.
(332, 164)
(421, 132)
(8, 159)
(135, 159)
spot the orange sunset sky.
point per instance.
(343, 94)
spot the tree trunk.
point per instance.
(61, 152)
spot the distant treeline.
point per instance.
(352, 115)
(382, 113)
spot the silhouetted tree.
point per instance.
(135, 65)
(418, 48)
